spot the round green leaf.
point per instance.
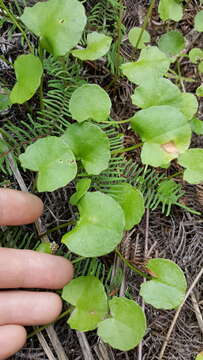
(168, 287)
(195, 55)
(159, 124)
(172, 43)
(170, 10)
(127, 326)
(53, 160)
(90, 144)
(97, 232)
(199, 90)
(81, 189)
(59, 24)
(4, 98)
(132, 202)
(199, 21)
(155, 92)
(152, 63)
(88, 296)
(97, 46)
(28, 70)
(192, 160)
(133, 37)
(197, 126)
(90, 102)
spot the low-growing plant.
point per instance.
(165, 120)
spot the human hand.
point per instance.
(26, 269)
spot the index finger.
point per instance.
(18, 207)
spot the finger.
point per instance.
(28, 307)
(18, 207)
(30, 269)
(12, 338)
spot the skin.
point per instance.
(26, 269)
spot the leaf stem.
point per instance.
(145, 23)
(130, 148)
(13, 19)
(132, 267)
(39, 329)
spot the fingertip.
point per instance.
(12, 339)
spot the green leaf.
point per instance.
(152, 64)
(200, 67)
(97, 232)
(167, 288)
(4, 98)
(90, 102)
(81, 188)
(28, 70)
(155, 92)
(133, 37)
(165, 131)
(127, 326)
(88, 296)
(199, 356)
(171, 43)
(199, 21)
(97, 46)
(199, 90)
(53, 160)
(197, 126)
(195, 55)
(59, 24)
(44, 248)
(163, 92)
(89, 144)
(132, 202)
(159, 124)
(170, 10)
(192, 160)
(187, 104)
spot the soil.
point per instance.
(177, 237)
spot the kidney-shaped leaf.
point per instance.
(127, 326)
(81, 189)
(155, 92)
(199, 90)
(59, 24)
(168, 287)
(28, 70)
(152, 63)
(97, 46)
(132, 202)
(90, 102)
(90, 144)
(88, 296)
(171, 43)
(170, 10)
(53, 160)
(165, 131)
(159, 124)
(100, 227)
(192, 160)
(134, 35)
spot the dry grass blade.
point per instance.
(178, 312)
(56, 343)
(45, 347)
(86, 351)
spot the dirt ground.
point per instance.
(177, 237)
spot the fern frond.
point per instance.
(17, 238)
